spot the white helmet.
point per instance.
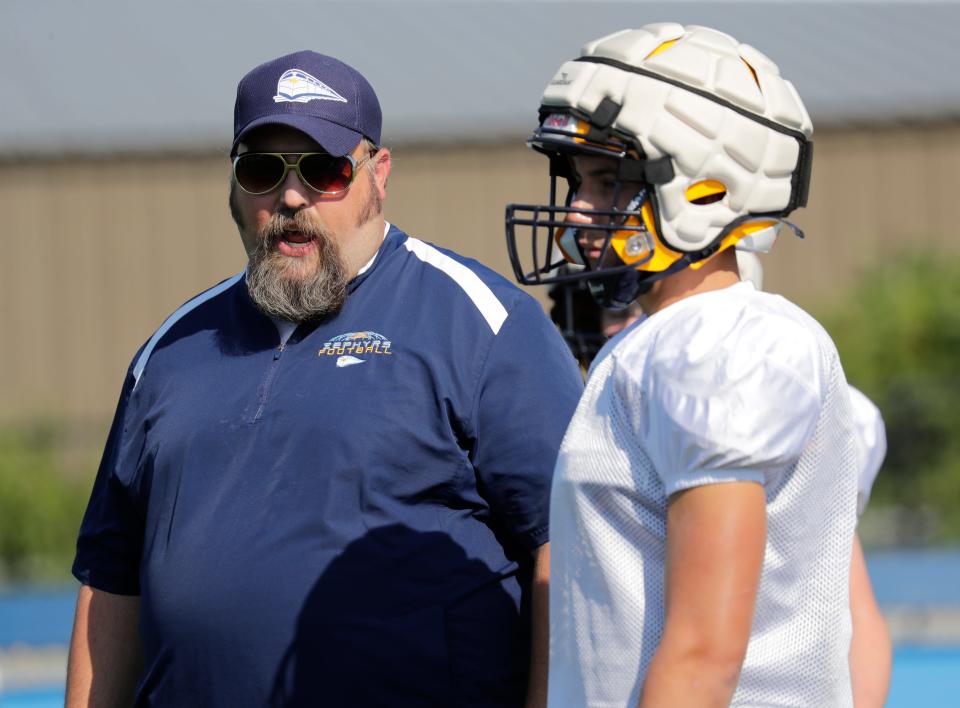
(714, 140)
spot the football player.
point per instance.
(704, 500)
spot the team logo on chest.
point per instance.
(356, 347)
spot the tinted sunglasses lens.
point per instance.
(326, 173)
(258, 173)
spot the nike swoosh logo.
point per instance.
(347, 360)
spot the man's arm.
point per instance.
(716, 535)
(539, 629)
(870, 650)
(105, 655)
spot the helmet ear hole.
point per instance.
(706, 191)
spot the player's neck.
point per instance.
(717, 273)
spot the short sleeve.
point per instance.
(528, 391)
(111, 534)
(871, 444)
(726, 403)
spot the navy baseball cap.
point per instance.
(316, 94)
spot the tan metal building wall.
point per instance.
(97, 252)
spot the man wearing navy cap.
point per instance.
(327, 479)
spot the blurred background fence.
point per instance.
(115, 122)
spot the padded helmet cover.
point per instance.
(718, 108)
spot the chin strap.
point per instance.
(615, 292)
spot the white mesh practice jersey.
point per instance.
(872, 440)
(728, 385)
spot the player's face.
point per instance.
(597, 190)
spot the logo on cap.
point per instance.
(297, 86)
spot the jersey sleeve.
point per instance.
(871, 444)
(734, 401)
(528, 391)
(111, 534)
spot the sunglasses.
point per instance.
(262, 172)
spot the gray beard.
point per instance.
(287, 289)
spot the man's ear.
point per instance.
(382, 162)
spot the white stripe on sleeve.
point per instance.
(490, 307)
(175, 317)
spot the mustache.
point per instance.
(279, 223)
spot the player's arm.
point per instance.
(105, 657)
(871, 655)
(539, 629)
(716, 536)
